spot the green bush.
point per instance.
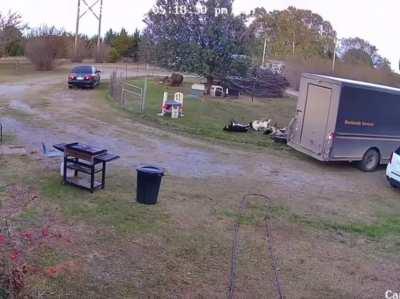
(15, 48)
(114, 56)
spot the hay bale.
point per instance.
(175, 80)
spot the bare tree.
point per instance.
(44, 45)
(11, 25)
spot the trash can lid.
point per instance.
(151, 170)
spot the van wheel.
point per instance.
(370, 160)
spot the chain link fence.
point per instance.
(141, 70)
(128, 95)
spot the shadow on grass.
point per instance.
(387, 225)
(114, 207)
(255, 213)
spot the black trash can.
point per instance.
(148, 184)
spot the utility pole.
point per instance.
(77, 31)
(98, 56)
(334, 56)
(98, 16)
(264, 52)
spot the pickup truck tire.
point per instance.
(370, 161)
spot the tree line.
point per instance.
(209, 44)
(44, 44)
(217, 46)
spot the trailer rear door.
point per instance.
(316, 117)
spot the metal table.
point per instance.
(83, 158)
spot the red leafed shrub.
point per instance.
(2, 240)
(14, 248)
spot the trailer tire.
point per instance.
(370, 161)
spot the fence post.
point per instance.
(112, 82)
(16, 66)
(144, 92)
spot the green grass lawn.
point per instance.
(207, 117)
(107, 245)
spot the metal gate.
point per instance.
(132, 97)
(129, 95)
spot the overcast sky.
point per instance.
(373, 20)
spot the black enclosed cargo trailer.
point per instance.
(345, 120)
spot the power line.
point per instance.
(90, 8)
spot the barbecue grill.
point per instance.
(88, 160)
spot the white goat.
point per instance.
(260, 125)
